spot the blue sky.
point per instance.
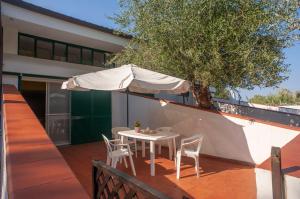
(98, 11)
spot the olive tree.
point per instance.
(220, 43)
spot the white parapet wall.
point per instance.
(264, 185)
(225, 136)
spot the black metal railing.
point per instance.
(259, 113)
(112, 183)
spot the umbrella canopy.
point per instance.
(130, 77)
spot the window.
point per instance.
(98, 58)
(74, 54)
(60, 51)
(26, 46)
(44, 49)
(87, 56)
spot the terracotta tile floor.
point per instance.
(218, 179)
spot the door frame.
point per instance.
(57, 114)
(47, 80)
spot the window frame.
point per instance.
(66, 50)
(36, 38)
(34, 44)
(45, 40)
(104, 57)
(92, 55)
(80, 52)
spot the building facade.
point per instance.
(41, 49)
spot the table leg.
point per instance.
(175, 150)
(152, 158)
(122, 139)
(170, 149)
(143, 148)
(122, 142)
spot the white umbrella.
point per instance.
(129, 77)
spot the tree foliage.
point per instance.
(282, 97)
(220, 43)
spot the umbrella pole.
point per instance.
(127, 114)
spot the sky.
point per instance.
(99, 11)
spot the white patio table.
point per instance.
(152, 138)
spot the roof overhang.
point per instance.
(49, 26)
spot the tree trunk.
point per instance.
(202, 95)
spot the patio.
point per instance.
(36, 166)
(219, 178)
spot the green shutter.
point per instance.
(91, 116)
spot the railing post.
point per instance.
(277, 175)
(94, 181)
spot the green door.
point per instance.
(91, 116)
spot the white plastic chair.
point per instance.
(168, 129)
(116, 152)
(190, 147)
(115, 135)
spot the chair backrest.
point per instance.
(107, 144)
(200, 138)
(196, 141)
(166, 128)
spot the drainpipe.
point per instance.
(20, 82)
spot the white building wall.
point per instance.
(42, 25)
(119, 109)
(264, 185)
(225, 136)
(30, 65)
(16, 19)
(10, 40)
(11, 80)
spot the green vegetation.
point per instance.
(222, 94)
(220, 43)
(282, 97)
(137, 124)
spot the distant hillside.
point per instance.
(281, 98)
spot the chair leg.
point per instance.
(197, 166)
(159, 149)
(143, 148)
(135, 147)
(178, 166)
(113, 162)
(125, 162)
(108, 160)
(132, 165)
(116, 162)
(170, 149)
(175, 160)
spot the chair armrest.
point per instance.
(182, 148)
(184, 140)
(189, 143)
(115, 140)
(124, 145)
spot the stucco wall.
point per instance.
(10, 80)
(10, 40)
(30, 65)
(45, 26)
(225, 136)
(264, 185)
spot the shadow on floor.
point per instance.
(218, 179)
